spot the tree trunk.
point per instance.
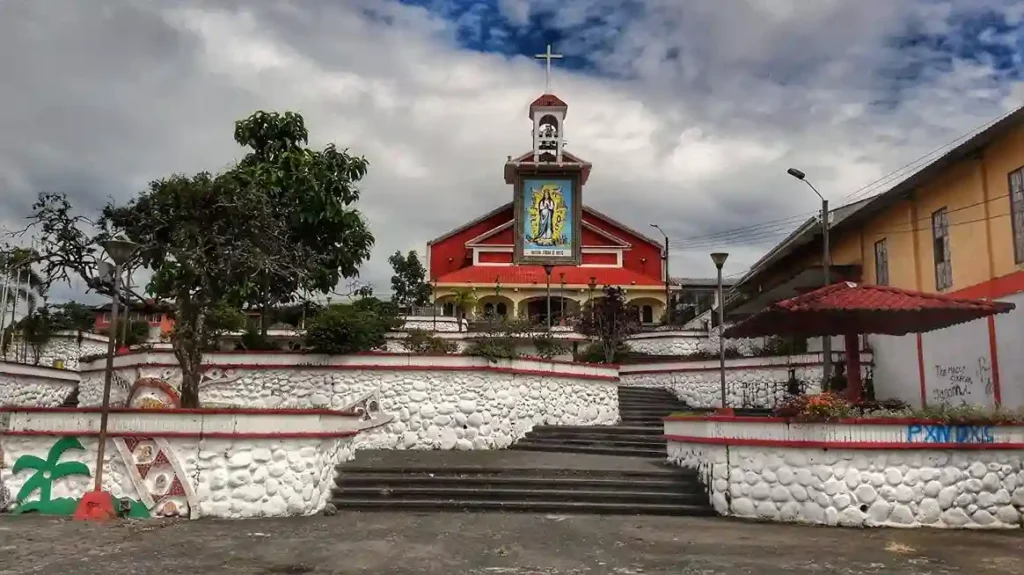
(264, 288)
(188, 349)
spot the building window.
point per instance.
(1017, 213)
(881, 263)
(106, 318)
(940, 248)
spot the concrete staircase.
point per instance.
(517, 481)
(639, 433)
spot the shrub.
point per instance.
(549, 347)
(342, 329)
(138, 333)
(253, 340)
(422, 342)
(821, 407)
(494, 348)
(595, 353)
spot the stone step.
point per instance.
(673, 403)
(640, 392)
(538, 506)
(624, 443)
(527, 445)
(618, 429)
(656, 411)
(596, 434)
(392, 492)
(659, 471)
(663, 482)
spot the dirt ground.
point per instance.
(495, 544)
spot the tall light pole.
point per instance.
(97, 504)
(826, 264)
(547, 271)
(664, 258)
(719, 259)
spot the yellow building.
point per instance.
(954, 227)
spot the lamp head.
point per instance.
(119, 249)
(719, 259)
(796, 173)
(593, 282)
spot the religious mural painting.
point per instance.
(548, 213)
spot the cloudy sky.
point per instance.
(691, 111)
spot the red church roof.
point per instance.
(548, 101)
(528, 275)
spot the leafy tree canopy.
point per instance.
(312, 193)
(280, 221)
(409, 285)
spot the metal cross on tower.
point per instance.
(548, 56)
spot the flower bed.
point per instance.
(865, 472)
(187, 463)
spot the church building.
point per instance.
(546, 239)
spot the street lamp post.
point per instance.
(719, 259)
(97, 504)
(547, 272)
(561, 298)
(664, 258)
(826, 264)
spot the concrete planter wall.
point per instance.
(861, 473)
(750, 381)
(409, 401)
(187, 463)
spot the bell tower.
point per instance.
(548, 116)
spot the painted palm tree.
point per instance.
(46, 472)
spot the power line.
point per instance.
(750, 240)
(773, 227)
(864, 191)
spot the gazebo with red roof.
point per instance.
(850, 310)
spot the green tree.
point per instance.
(609, 320)
(46, 472)
(352, 328)
(464, 300)
(312, 192)
(409, 286)
(260, 231)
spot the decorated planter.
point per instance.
(183, 463)
(861, 473)
(407, 401)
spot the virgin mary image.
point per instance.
(546, 212)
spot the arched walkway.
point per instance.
(535, 309)
(649, 310)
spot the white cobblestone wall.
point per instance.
(859, 488)
(230, 478)
(66, 347)
(688, 342)
(471, 406)
(750, 382)
(31, 386)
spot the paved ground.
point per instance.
(493, 544)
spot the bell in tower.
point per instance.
(548, 115)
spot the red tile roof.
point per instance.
(548, 101)
(846, 307)
(528, 275)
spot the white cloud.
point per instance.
(691, 117)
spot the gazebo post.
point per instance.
(854, 386)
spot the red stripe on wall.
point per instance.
(997, 392)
